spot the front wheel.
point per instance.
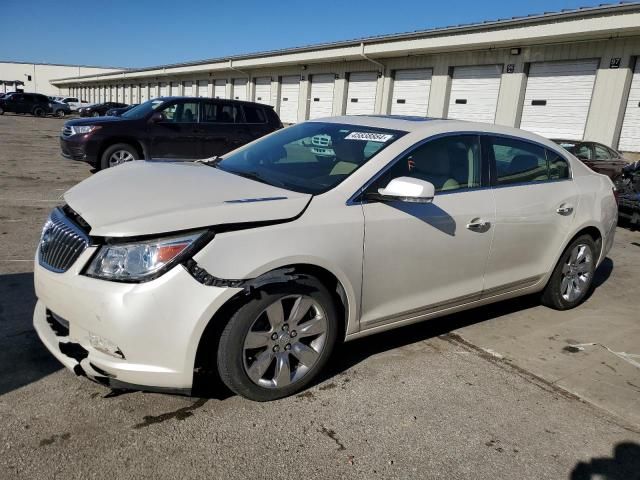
(1, 111)
(572, 278)
(276, 344)
(60, 113)
(39, 112)
(118, 154)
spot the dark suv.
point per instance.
(33, 103)
(179, 128)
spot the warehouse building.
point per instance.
(37, 77)
(570, 74)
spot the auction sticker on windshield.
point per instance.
(375, 137)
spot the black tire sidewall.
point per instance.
(230, 352)
(1, 111)
(104, 160)
(38, 112)
(551, 295)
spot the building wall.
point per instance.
(42, 75)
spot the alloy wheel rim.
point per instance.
(120, 156)
(577, 273)
(285, 341)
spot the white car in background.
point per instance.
(74, 103)
(256, 264)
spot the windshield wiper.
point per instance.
(253, 175)
(212, 161)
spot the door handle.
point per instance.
(564, 209)
(478, 224)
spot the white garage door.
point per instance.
(188, 89)
(556, 103)
(321, 95)
(239, 88)
(361, 96)
(411, 92)
(289, 92)
(263, 90)
(164, 90)
(127, 94)
(153, 90)
(630, 134)
(474, 93)
(134, 94)
(220, 89)
(203, 88)
(175, 89)
(144, 93)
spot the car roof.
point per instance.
(426, 126)
(226, 100)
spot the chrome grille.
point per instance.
(67, 131)
(61, 243)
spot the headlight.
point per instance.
(140, 261)
(77, 129)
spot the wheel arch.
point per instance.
(205, 375)
(121, 139)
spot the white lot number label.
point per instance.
(368, 136)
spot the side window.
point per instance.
(27, 98)
(601, 152)
(449, 163)
(517, 161)
(558, 166)
(254, 114)
(181, 112)
(583, 152)
(220, 113)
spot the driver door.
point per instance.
(177, 135)
(424, 257)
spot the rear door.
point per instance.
(535, 202)
(178, 135)
(222, 128)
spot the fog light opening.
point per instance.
(105, 345)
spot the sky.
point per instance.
(140, 33)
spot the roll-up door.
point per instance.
(127, 94)
(411, 92)
(176, 89)
(630, 134)
(239, 88)
(321, 95)
(203, 88)
(263, 90)
(112, 94)
(144, 93)
(134, 94)
(188, 89)
(164, 89)
(289, 91)
(474, 93)
(153, 90)
(220, 89)
(361, 94)
(557, 99)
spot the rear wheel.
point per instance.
(572, 278)
(39, 112)
(60, 113)
(276, 344)
(1, 111)
(118, 154)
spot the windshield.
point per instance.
(143, 109)
(311, 157)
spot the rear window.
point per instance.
(254, 115)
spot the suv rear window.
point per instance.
(254, 114)
(220, 113)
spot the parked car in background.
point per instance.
(99, 109)
(257, 264)
(116, 112)
(59, 109)
(183, 128)
(598, 157)
(74, 103)
(628, 191)
(32, 103)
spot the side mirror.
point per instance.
(156, 117)
(406, 189)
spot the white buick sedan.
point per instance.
(255, 265)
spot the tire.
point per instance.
(1, 111)
(60, 113)
(572, 278)
(247, 343)
(39, 112)
(95, 114)
(122, 151)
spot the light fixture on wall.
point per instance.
(515, 51)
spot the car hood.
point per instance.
(95, 120)
(145, 198)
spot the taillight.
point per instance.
(616, 194)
